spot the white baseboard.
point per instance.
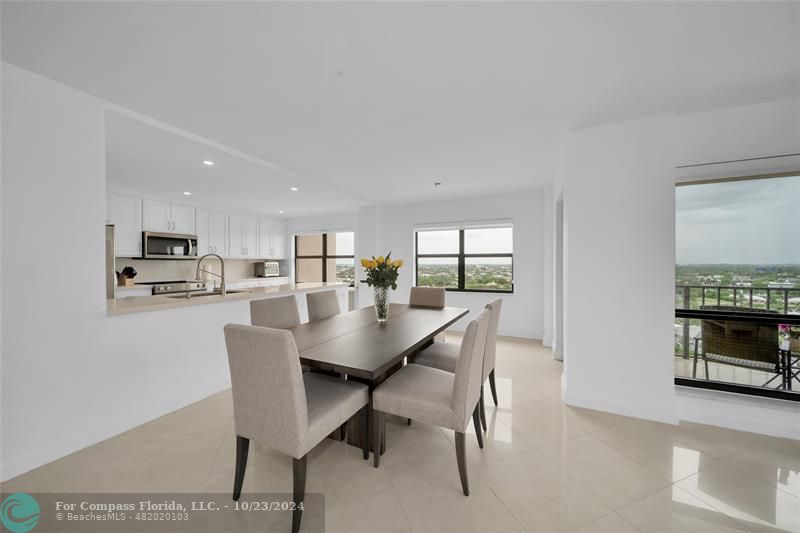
(83, 438)
(636, 409)
(767, 416)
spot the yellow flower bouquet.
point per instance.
(381, 276)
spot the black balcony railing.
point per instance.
(751, 323)
(784, 300)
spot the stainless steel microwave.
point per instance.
(168, 246)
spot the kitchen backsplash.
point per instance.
(169, 270)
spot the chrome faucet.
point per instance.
(222, 291)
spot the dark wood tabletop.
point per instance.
(355, 344)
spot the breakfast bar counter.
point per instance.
(140, 304)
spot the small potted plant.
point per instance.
(381, 276)
(791, 334)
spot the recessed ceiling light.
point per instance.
(187, 193)
(208, 163)
(295, 189)
(280, 212)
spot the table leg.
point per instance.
(354, 434)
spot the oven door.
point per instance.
(168, 246)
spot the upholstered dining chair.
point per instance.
(278, 313)
(427, 297)
(322, 305)
(276, 404)
(444, 356)
(437, 397)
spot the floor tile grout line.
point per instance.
(720, 511)
(613, 508)
(614, 512)
(399, 499)
(634, 459)
(499, 499)
(219, 447)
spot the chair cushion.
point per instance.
(331, 402)
(441, 355)
(421, 393)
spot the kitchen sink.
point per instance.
(184, 296)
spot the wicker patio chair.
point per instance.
(742, 344)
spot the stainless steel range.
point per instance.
(171, 287)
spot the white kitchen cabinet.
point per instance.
(125, 212)
(277, 239)
(156, 216)
(182, 219)
(272, 237)
(167, 218)
(243, 231)
(212, 232)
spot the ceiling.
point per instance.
(144, 158)
(383, 99)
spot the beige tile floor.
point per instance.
(546, 467)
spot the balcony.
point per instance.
(738, 338)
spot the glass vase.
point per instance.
(382, 304)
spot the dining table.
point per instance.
(355, 346)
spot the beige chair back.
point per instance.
(278, 313)
(427, 297)
(269, 398)
(490, 356)
(322, 305)
(467, 385)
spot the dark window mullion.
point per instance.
(324, 257)
(461, 262)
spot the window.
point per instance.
(737, 286)
(479, 259)
(325, 257)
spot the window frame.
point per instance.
(461, 258)
(324, 257)
(739, 315)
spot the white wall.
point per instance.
(522, 311)
(390, 228)
(72, 375)
(548, 265)
(619, 232)
(619, 192)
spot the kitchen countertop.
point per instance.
(139, 304)
(145, 285)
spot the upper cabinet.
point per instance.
(125, 212)
(234, 236)
(183, 219)
(156, 216)
(272, 238)
(212, 232)
(167, 217)
(243, 232)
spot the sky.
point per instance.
(476, 241)
(741, 222)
